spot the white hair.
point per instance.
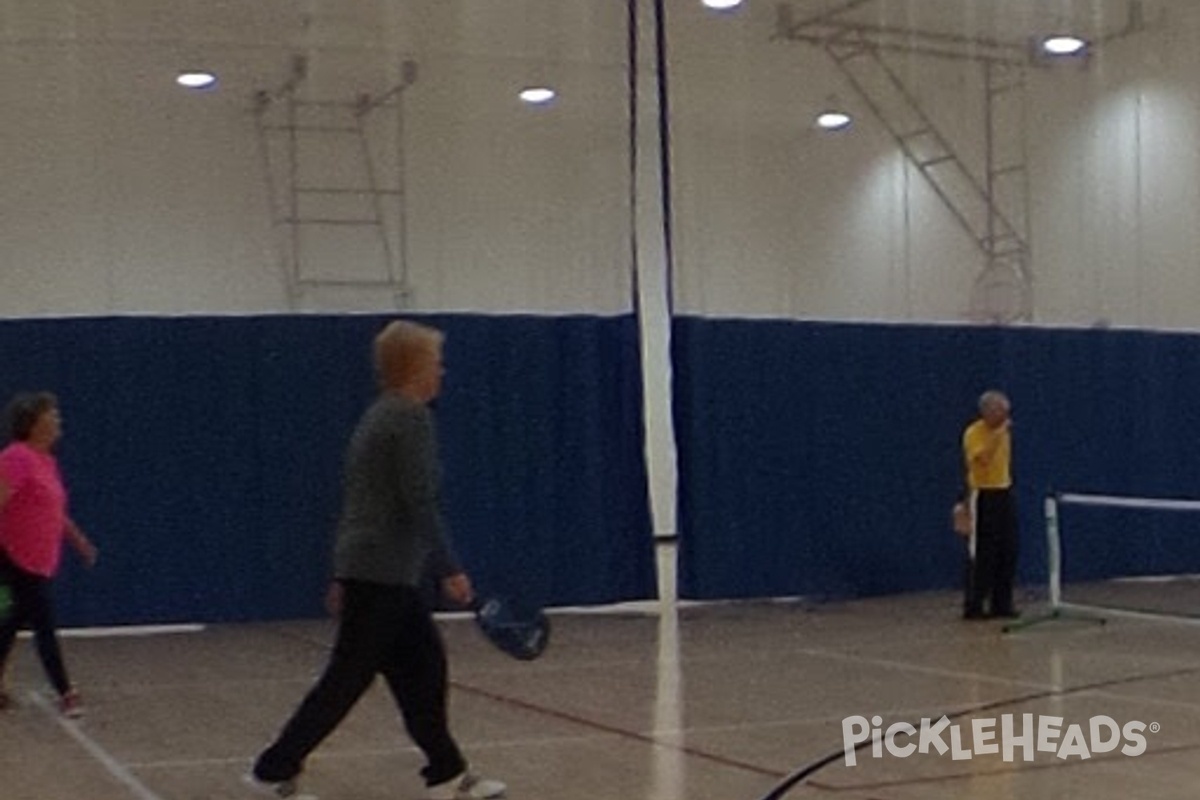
(993, 398)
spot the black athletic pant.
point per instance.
(388, 631)
(991, 573)
(32, 605)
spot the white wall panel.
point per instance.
(126, 194)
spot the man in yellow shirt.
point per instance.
(992, 544)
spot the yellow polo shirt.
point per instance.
(996, 473)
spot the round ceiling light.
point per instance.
(833, 120)
(196, 79)
(537, 95)
(1063, 45)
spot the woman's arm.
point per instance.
(82, 544)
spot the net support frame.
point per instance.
(1057, 608)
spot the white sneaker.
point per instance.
(466, 787)
(71, 704)
(288, 789)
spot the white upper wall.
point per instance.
(1117, 206)
(776, 219)
(125, 194)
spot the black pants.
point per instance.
(990, 574)
(384, 630)
(32, 605)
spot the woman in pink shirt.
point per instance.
(33, 525)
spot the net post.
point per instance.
(1053, 564)
(1053, 551)
(1057, 609)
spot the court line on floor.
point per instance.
(690, 750)
(589, 723)
(974, 774)
(787, 780)
(361, 753)
(801, 776)
(114, 767)
(717, 758)
(616, 730)
(565, 716)
(124, 631)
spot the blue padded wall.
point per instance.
(821, 459)
(203, 454)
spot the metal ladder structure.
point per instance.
(998, 222)
(991, 203)
(328, 199)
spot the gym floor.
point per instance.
(662, 702)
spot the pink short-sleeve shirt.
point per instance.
(33, 521)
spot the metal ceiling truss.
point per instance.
(837, 22)
(994, 209)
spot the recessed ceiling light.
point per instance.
(833, 120)
(537, 95)
(195, 79)
(1063, 45)
(722, 5)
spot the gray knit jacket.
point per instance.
(391, 529)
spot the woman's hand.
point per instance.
(334, 598)
(457, 589)
(88, 552)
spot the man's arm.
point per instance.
(419, 477)
(984, 447)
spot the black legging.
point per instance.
(33, 605)
(388, 631)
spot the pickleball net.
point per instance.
(1121, 556)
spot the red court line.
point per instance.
(575, 719)
(615, 730)
(800, 777)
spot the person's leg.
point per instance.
(40, 614)
(352, 666)
(972, 596)
(1006, 556)
(29, 596)
(987, 549)
(416, 674)
(972, 602)
(9, 625)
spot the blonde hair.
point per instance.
(400, 349)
